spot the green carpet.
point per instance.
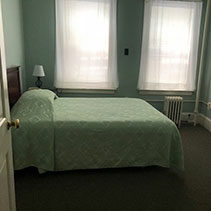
(150, 188)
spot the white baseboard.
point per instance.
(204, 121)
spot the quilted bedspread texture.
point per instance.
(80, 133)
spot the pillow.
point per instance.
(37, 99)
(42, 93)
(39, 94)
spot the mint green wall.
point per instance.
(13, 34)
(39, 30)
(39, 33)
(206, 80)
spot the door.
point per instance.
(7, 191)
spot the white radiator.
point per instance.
(173, 108)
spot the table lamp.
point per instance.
(38, 72)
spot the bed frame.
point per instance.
(14, 85)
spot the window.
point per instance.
(170, 45)
(86, 56)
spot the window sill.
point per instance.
(154, 92)
(87, 91)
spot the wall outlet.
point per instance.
(209, 105)
(187, 117)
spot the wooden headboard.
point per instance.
(14, 85)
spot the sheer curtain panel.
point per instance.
(86, 52)
(170, 45)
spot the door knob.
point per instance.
(14, 124)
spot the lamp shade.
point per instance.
(38, 71)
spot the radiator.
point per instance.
(173, 108)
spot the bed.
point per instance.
(58, 134)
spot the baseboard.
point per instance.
(204, 121)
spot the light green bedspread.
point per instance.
(33, 142)
(96, 133)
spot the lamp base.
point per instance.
(38, 83)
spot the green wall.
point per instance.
(39, 33)
(39, 30)
(13, 34)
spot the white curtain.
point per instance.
(86, 52)
(170, 45)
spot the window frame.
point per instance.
(114, 82)
(175, 92)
